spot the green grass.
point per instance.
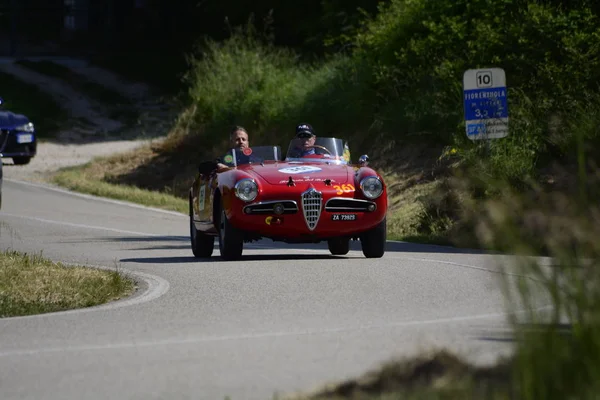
(78, 179)
(24, 98)
(31, 284)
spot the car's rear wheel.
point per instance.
(202, 245)
(373, 241)
(21, 160)
(339, 246)
(231, 240)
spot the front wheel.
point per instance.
(339, 246)
(373, 241)
(231, 240)
(202, 245)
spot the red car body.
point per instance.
(306, 200)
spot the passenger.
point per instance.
(238, 139)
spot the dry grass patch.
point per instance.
(440, 375)
(31, 284)
(101, 177)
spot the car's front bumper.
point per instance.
(12, 145)
(330, 219)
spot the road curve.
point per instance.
(283, 319)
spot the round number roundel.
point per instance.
(300, 169)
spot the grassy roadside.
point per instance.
(24, 98)
(31, 284)
(439, 375)
(83, 179)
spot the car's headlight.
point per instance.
(246, 189)
(372, 187)
(28, 127)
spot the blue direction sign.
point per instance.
(485, 103)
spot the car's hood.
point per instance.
(9, 119)
(279, 173)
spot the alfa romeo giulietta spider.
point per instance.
(291, 199)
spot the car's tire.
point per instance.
(374, 240)
(339, 246)
(21, 160)
(202, 245)
(231, 239)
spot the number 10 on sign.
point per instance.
(485, 103)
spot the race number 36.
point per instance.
(484, 79)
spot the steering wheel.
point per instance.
(320, 147)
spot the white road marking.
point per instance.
(208, 339)
(85, 226)
(156, 287)
(97, 198)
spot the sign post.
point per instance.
(485, 103)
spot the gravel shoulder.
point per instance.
(53, 156)
(103, 136)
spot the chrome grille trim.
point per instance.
(312, 201)
(266, 207)
(348, 204)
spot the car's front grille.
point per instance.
(3, 138)
(311, 206)
(269, 207)
(342, 204)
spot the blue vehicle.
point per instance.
(17, 137)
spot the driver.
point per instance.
(304, 141)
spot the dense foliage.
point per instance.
(403, 78)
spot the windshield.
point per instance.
(321, 149)
(252, 155)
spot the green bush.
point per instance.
(403, 80)
(417, 51)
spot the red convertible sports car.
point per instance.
(309, 199)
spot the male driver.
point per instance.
(238, 138)
(305, 139)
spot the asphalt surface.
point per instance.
(284, 319)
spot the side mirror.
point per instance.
(363, 160)
(207, 167)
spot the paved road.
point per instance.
(286, 318)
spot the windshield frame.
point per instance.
(260, 154)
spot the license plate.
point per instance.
(24, 138)
(343, 217)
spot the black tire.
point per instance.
(21, 160)
(339, 246)
(231, 239)
(373, 241)
(202, 245)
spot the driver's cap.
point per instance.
(304, 130)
